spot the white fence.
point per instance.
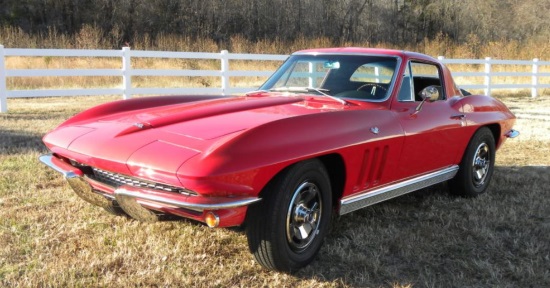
(126, 72)
(536, 74)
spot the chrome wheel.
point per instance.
(304, 216)
(481, 164)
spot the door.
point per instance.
(430, 133)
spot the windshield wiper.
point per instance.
(289, 89)
(256, 91)
(321, 91)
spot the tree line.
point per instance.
(344, 21)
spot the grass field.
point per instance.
(51, 238)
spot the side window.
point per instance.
(424, 75)
(405, 92)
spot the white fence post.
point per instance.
(126, 75)
(487, 81)
(3, 91)
(225, 71)
(310, 77)
(535, 78)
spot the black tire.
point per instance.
(286, 229)
(477, 165)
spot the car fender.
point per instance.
(481, 110)
(251, 158)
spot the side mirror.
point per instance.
(430, 94)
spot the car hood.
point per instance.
(153, 142)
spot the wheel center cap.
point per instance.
(302, 214)
(481, 162)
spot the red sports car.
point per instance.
(332, 131)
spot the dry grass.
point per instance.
(51, 238)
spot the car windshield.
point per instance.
(342, 76)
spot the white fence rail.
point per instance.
(536, 75)
(126, 72)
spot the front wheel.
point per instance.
(476, 167)
(286, 229)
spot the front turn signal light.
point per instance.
(211, 219)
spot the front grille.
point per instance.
(116, 180)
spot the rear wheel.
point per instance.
(476, 167)
(286, 229)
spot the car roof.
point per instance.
(370, 51)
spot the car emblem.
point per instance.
(374, 130)
(139, 125)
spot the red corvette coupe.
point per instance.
(332, 131)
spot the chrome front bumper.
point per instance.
(132, 199)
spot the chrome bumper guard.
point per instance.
(75, 178)
(128, 196)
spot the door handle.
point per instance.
(458, 117)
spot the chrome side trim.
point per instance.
(512, 133)
(370, 197)
(216, 204)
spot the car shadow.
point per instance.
(432, 238)
(16, 142)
